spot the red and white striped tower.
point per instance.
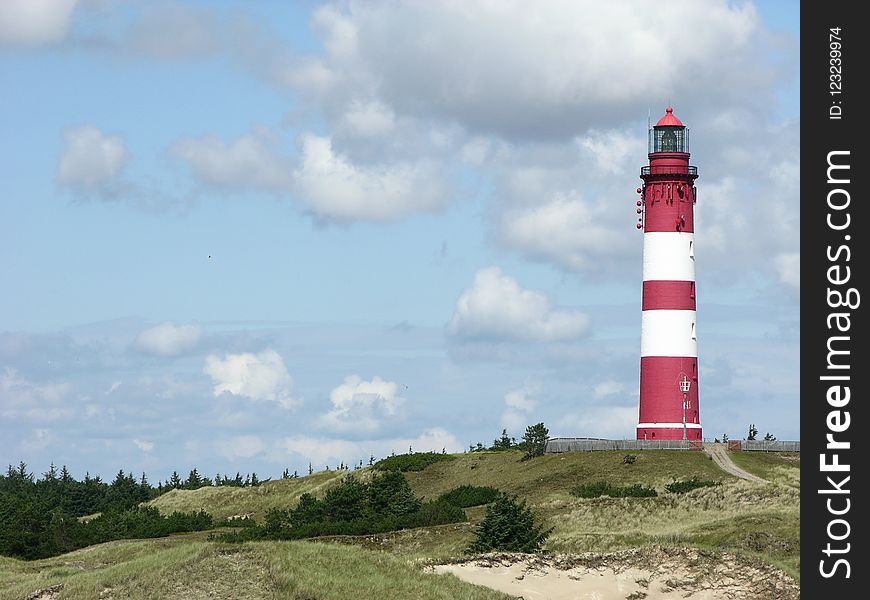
(668, 341)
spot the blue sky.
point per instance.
(246, 236)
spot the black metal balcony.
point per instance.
(669, 170)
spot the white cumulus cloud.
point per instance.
(360, 405)
(261, 376)
(551, 75)
(35, 22)
(169, 339)
(333, 187)
(251, 161)
(497, 308)
(90, 159)
(567, 231)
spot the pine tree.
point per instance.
(505, 442)
(51, 475)
(509, 525)
(175, 480)
(310, 470)
(753, 431)
(194, 481)
(535, 440)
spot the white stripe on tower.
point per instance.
(668, 333)
(668, 256)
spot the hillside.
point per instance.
(757, 522)
(760, 520)
(226, 501)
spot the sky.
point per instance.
(252, 236)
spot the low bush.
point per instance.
(509, 525)
(687, 485)
(411, 462)
(604, 488)
(352, 507)
(465, 496)
(629, 459)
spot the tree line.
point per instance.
(40, 516)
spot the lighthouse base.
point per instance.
(668, 431)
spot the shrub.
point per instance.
(411, 462)
(604, 488)
(346, 501)
(687, 485)
(387, 503)
(535, 441)
(390, 494)
(629, 459)
(509, 525)
(435, 513)
(465, 496)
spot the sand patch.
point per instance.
(648, 574)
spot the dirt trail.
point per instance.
(721, 458)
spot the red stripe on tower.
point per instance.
(668, 343)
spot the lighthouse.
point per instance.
(668, 339)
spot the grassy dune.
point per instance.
(189, 568)
(705, 517)
(225, 501)
(758, 521)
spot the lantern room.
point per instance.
(669, 135)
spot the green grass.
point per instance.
(550, 474)
(176, 567)
(780, 467)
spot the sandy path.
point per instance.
(653, 573)
(547, 583)
(721, 458)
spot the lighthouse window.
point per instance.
(669, 141)
(691, 250)
(694, 337)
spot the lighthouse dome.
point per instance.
(669, 120)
